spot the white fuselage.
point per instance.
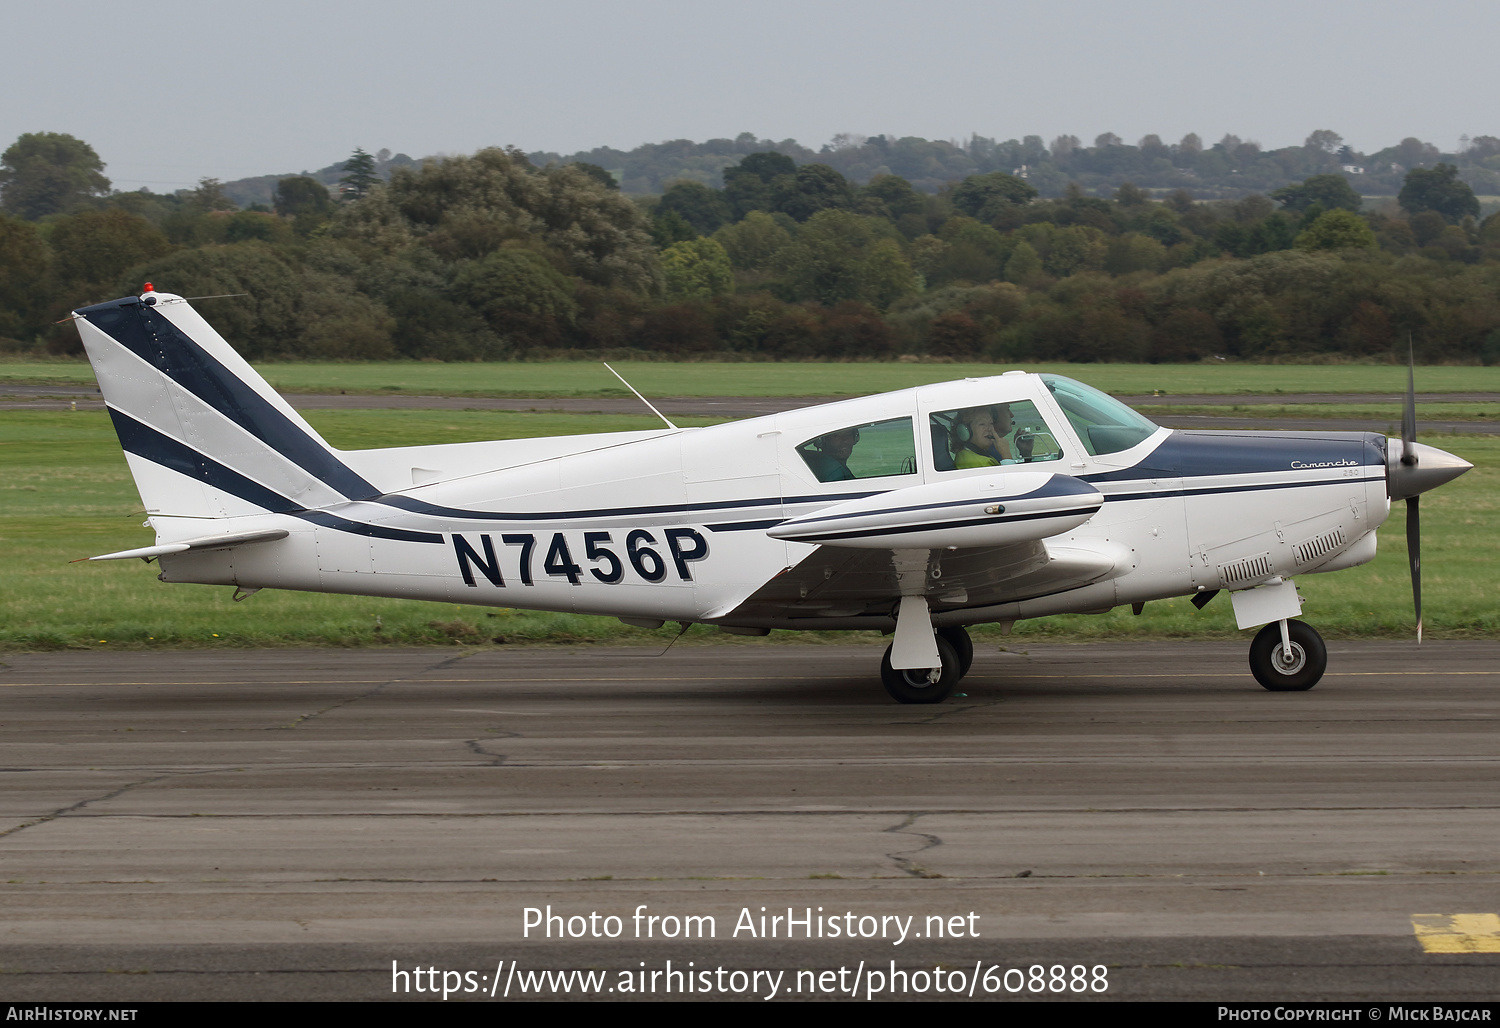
(672, 525)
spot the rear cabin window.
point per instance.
(990, 436)
(877, 449)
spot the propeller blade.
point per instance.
(1409, 412)
(1414, 556)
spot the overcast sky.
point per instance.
(168, 92)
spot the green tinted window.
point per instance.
(991, 435)
(1103, 423)
(874, 450)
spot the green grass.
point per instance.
(1369, 411)
(809, 379)
(65, 493)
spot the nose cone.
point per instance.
(1429, 469)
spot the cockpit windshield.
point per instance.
(1103, 423)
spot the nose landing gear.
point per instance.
(1288, 656)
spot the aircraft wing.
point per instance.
(973, 543)
(836, 582)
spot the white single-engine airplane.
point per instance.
(919, 511)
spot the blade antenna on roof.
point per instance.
(638, 396)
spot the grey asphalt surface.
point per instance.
(283, 824)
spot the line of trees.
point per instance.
(1229, 169)
(490, 256)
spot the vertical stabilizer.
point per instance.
(205, 435)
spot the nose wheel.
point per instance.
(1292, 663)
(922, 685)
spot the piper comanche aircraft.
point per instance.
(915, 512)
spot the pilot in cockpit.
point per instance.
(828, 455)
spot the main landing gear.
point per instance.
(1288, 656)
(931, 685)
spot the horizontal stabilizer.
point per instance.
(206, 542)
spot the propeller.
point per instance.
(1413, 503)
(1417, 469)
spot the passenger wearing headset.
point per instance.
(978, 438)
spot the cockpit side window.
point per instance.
(1103, 423)
(991, 435)
(876, 449)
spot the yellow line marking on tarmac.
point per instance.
(1457, 933)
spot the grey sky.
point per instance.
(170, 91)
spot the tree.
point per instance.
(701, 207)
(1325, 140)
(748, 185)
(887, 275)
(463, 208)
(23, 270)
(753, 241)
(264, 322)
(1330, 191)
(362, 177)
(1337, 229)
(520, 295)
(894, 195)
(697, 269)
(986, 196)
(46, 173)
(1438, 189)
(1024, 264)
(301, 195)
(597, 173)
(210, 196)
(91, 249)
(836, 257)
(815, 187)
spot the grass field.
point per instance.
(1390, 412)
(65, 493)
(810, 379)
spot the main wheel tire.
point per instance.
(962, 645)
(1281, 671)
(923, 685)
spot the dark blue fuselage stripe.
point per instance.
(435, 510)
(146, 442)
(149, 335)
(327, 520)
(1051, 490)
(1209, 491)
(938, 526)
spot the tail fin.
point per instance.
(204, 434)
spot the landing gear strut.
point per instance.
(922, 685)
(1288, 661)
